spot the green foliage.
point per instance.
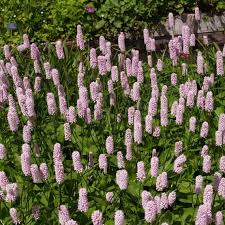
(52, 19)
(91, 138)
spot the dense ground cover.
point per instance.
(105, 136)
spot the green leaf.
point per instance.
(100, 24)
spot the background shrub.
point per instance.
(52, 19)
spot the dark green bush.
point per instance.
(48, 20)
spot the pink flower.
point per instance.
(141, 171)
(208, 195)
(77, 165)
(43, 171)
(102, 44)
(192, 40)
(14, 216)
(200, 99)
(148, 124)
(173, 79)
(128, 137)
(129, 152)
(2, 151)
(30, 103)
(114, 73)
(67, 132)
(156, 132)
(108, 48)
(27, 134)
(221, 188)
(145, 35)
(198, 184)
(178, 148)
(171, 198)
(171, 21)
(37, 84)
(102, 161)
(184, 69)
(34, 52)
(173, 51)
(109, 197)
(102, 65)
(200, 63)
(109, 145)
(26, 84)
(55, 77)
(11, 192)
(150, 211)
(209, 102)
(202, 217)
(108, 62)
(164, 111)
(59, 172)
(128, 67)
(140, 74)
(63, 214)
(206, 167)
(186, 39)
(205, 40)
(145, 198)
(37, 68)
(216, 180)
(13, 119)
(161, 181)
(47, 68)
(137, 132)
(159, 65)
(59, 49)
(26, 160)
(204, 129)
(119, 217)
(35, 173)
(36, 212)
(152, 45)
(204, 151)
(152, 106)
(80, 38)
(93, 58)
(190, 99)
(192, 124)
(121, 42)
(179, 115)
(154, 166)
(82, 200)
(221, 123)
(26, 41)
(219, 63)
(174, 108)
(219, 218)
(157, 201)
(178, 163)
(153, 77)
(52, 108)
(164, 201)
(122, 179)
(120, 160)
(134, 65)
(7, 51)
(96, 218)
(197, 14)
(150, 60)
(222, 164)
